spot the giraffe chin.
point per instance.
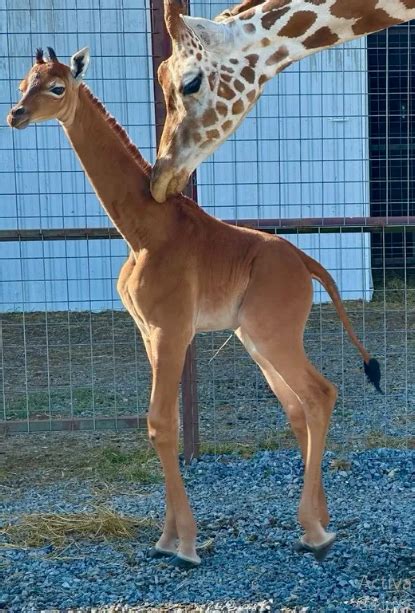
(159, 191)
(18, 123)
(166, 184)
(177, 183)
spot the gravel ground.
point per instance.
(247, 508)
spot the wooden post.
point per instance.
(161, 49)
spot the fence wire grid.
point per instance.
(326, 159)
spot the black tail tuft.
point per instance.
(372, 370)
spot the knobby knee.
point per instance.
(320, 400)
(162, 430)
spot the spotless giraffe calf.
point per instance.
(186, 273)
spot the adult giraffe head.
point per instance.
(218, 69)
(205, 99)
(49, 90)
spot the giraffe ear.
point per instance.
(80, 63)
(210, 33)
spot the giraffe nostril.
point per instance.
(19, 111)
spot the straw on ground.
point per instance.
(59, 530)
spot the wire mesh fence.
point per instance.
(326, 159)
(67, 350)
(243, 403)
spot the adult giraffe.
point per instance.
(218, 69)
(188, 272)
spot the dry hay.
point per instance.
(61, 530)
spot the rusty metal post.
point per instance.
(161, 49)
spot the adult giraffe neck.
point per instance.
(284, 31)
(115, 168)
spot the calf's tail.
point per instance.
(317, 271)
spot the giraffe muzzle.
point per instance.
(18, 118)
(166, 182)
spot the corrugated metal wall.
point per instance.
(301, 153)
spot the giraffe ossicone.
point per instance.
(231, 58)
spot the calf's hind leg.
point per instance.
(300, 386)
(296, 416)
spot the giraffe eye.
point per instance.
(58, 91)
(193, 86)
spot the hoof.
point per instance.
(183, 563)
(156, 554)
(320, 552)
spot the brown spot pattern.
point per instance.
(199, 56)
(186, 134)
(324, 37)
(238, 85)
(279, 55)
(251, 95)
(249, 28)
(274, 4)
(226, 77)
(298, 24)
(212, 80)
(233, 60)
(227, 126)
(248, 74)
(410, 4)
(262, 79)
(270, 18)
(265, 42)
(221, 108)
(211, 134)
(316, 2)
(238, 107)
(378, 20)
(197, 137)
(224, 91)
(352, 9)
(210, 117)
(252, 59)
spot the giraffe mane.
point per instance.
(120, 131)
(243, 6)
(132, 148)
